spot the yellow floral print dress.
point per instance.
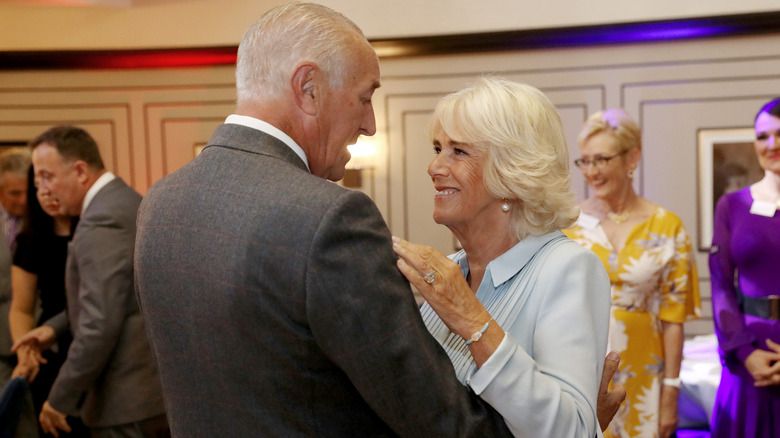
(653, 278)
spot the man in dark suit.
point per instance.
(109, 378)
(271, 297)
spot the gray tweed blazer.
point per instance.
(274, 306)
(109, 377)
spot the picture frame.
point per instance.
(726, 162)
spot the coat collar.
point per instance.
(243, 138)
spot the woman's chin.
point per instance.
(441, 218)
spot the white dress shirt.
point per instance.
(101, 182)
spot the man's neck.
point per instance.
(91, 189)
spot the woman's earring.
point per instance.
(505, 206)
(631, 174)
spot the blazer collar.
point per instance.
(250, 140)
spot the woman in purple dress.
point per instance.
(744, 261)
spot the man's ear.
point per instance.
(82, 171)
(304, 88)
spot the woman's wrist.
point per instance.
(477, 335)
(477, 324)
(672, 382)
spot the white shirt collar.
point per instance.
(251, 122)
(99, 184)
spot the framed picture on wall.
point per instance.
(727, 162)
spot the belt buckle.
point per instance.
(774, 307)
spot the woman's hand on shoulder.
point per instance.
(441, 283)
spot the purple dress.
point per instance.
(749, 244)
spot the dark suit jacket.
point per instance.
(109, 377)
(274, 306)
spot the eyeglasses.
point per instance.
(598, 161)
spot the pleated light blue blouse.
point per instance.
(551, 297)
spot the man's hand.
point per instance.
(40, 338)
(609, 402)
(52, 421)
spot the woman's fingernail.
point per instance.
(396, 239)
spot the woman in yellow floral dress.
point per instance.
(649, 259)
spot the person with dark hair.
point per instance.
(38, 273)
(744, 257)
(108, 378)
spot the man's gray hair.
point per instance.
(287, 35)
(16, 161)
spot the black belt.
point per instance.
(764, 307)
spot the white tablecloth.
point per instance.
(700, 375)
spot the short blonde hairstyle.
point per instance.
(617, 124)
(527, 161)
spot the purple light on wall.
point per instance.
(704, 27)
(630, 33)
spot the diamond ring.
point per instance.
(430, 277)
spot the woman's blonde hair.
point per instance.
(519, 131)
(616, 123)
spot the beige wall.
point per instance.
(199, 23)
(149, 123)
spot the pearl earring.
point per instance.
(505, 206)
(631, 174)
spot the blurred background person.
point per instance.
(648, 256)
(38, 275)
(13, 191)
(522, 311)
(14, 165)
(108, 378)
(744, 258)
